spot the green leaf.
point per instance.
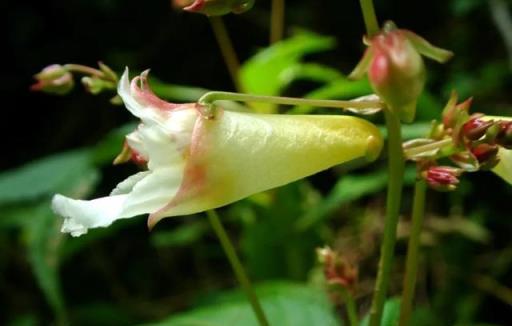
(178, 93)
(43, 242)
(45, 176)
(347, 189)
(183, 235)
(285, 304)
(110, 146)
(338, 89)
(390, 315)
(273, 68)
(504, 167)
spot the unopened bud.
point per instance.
(215, 7)
(442, 178)
(453, 112)
(486, 154)
(337, 271)
(95, 85)
(54, 79)
(395, 67)
(475, 128)
(504, 137)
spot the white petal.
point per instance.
(124, 90)
(154, 191)
(127, 185)
(81, 215)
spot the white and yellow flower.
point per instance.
(196, 164)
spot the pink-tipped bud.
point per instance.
(397, 72)
(215, 7)
(54, 79)
(442, 178)
(475, 128)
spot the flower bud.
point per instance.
(486, 155)
(337, 271)
(454, 113)
(442, 178)
(395, 68)
(54, 79)
(95, 85)
(215, 7)
(475, 128)
(504, 137)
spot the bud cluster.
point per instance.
(337, 271)
(474, 143)
(58, 79)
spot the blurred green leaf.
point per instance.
(110, 146)
(285, 304)
(271, 246)
(338, 89)
(348, 188)
(273, 68)
(410, 131)
(43, 242)
(390, 314)
(182, 235)
(45, 176)
(179, 93)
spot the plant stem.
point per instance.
(227, 50)
(277, 21)
(351, 307)
(210, 97)
(395, 182)
(411, 268)
(84, 70)
(239, 270)
(370, 19)
(427, 148)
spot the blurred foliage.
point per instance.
(177, 275)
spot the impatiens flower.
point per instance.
(196, 163)
(395, 67)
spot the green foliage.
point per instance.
(285, 304)
(390, 315)
(272, 69)
(45, 177)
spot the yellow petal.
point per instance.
(238, 154)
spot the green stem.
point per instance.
(210, 97)
(409, 153)
(239, 270)
(351, 307)
(227, 49)
(411, 268)
(277, 21)
(396, 175)
(84, 70)
(370, 19)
